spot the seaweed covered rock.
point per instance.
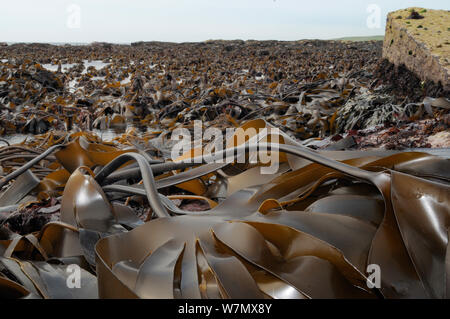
(48, 79)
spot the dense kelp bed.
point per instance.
(312, 90)
(132, 221)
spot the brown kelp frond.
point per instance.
(311, 229)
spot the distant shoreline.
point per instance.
(355, 39)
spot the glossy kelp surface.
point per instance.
(143, 227)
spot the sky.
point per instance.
(125, 21)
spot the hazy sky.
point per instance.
(126, 21)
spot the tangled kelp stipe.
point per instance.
(141, 226)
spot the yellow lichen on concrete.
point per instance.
(422, 45)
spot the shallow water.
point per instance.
(73, 85)
(126, 80)
(109, 134)
(98, 65)
(98, 78)
(106, 135)
(14, 139)
(54, 68)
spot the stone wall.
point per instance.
(420, 39)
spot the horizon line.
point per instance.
(346, 38)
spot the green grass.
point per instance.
(356, 39)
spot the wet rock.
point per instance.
(48, 79)
(367, 110)
(343, 144)
(28, 221)
(404, 84)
